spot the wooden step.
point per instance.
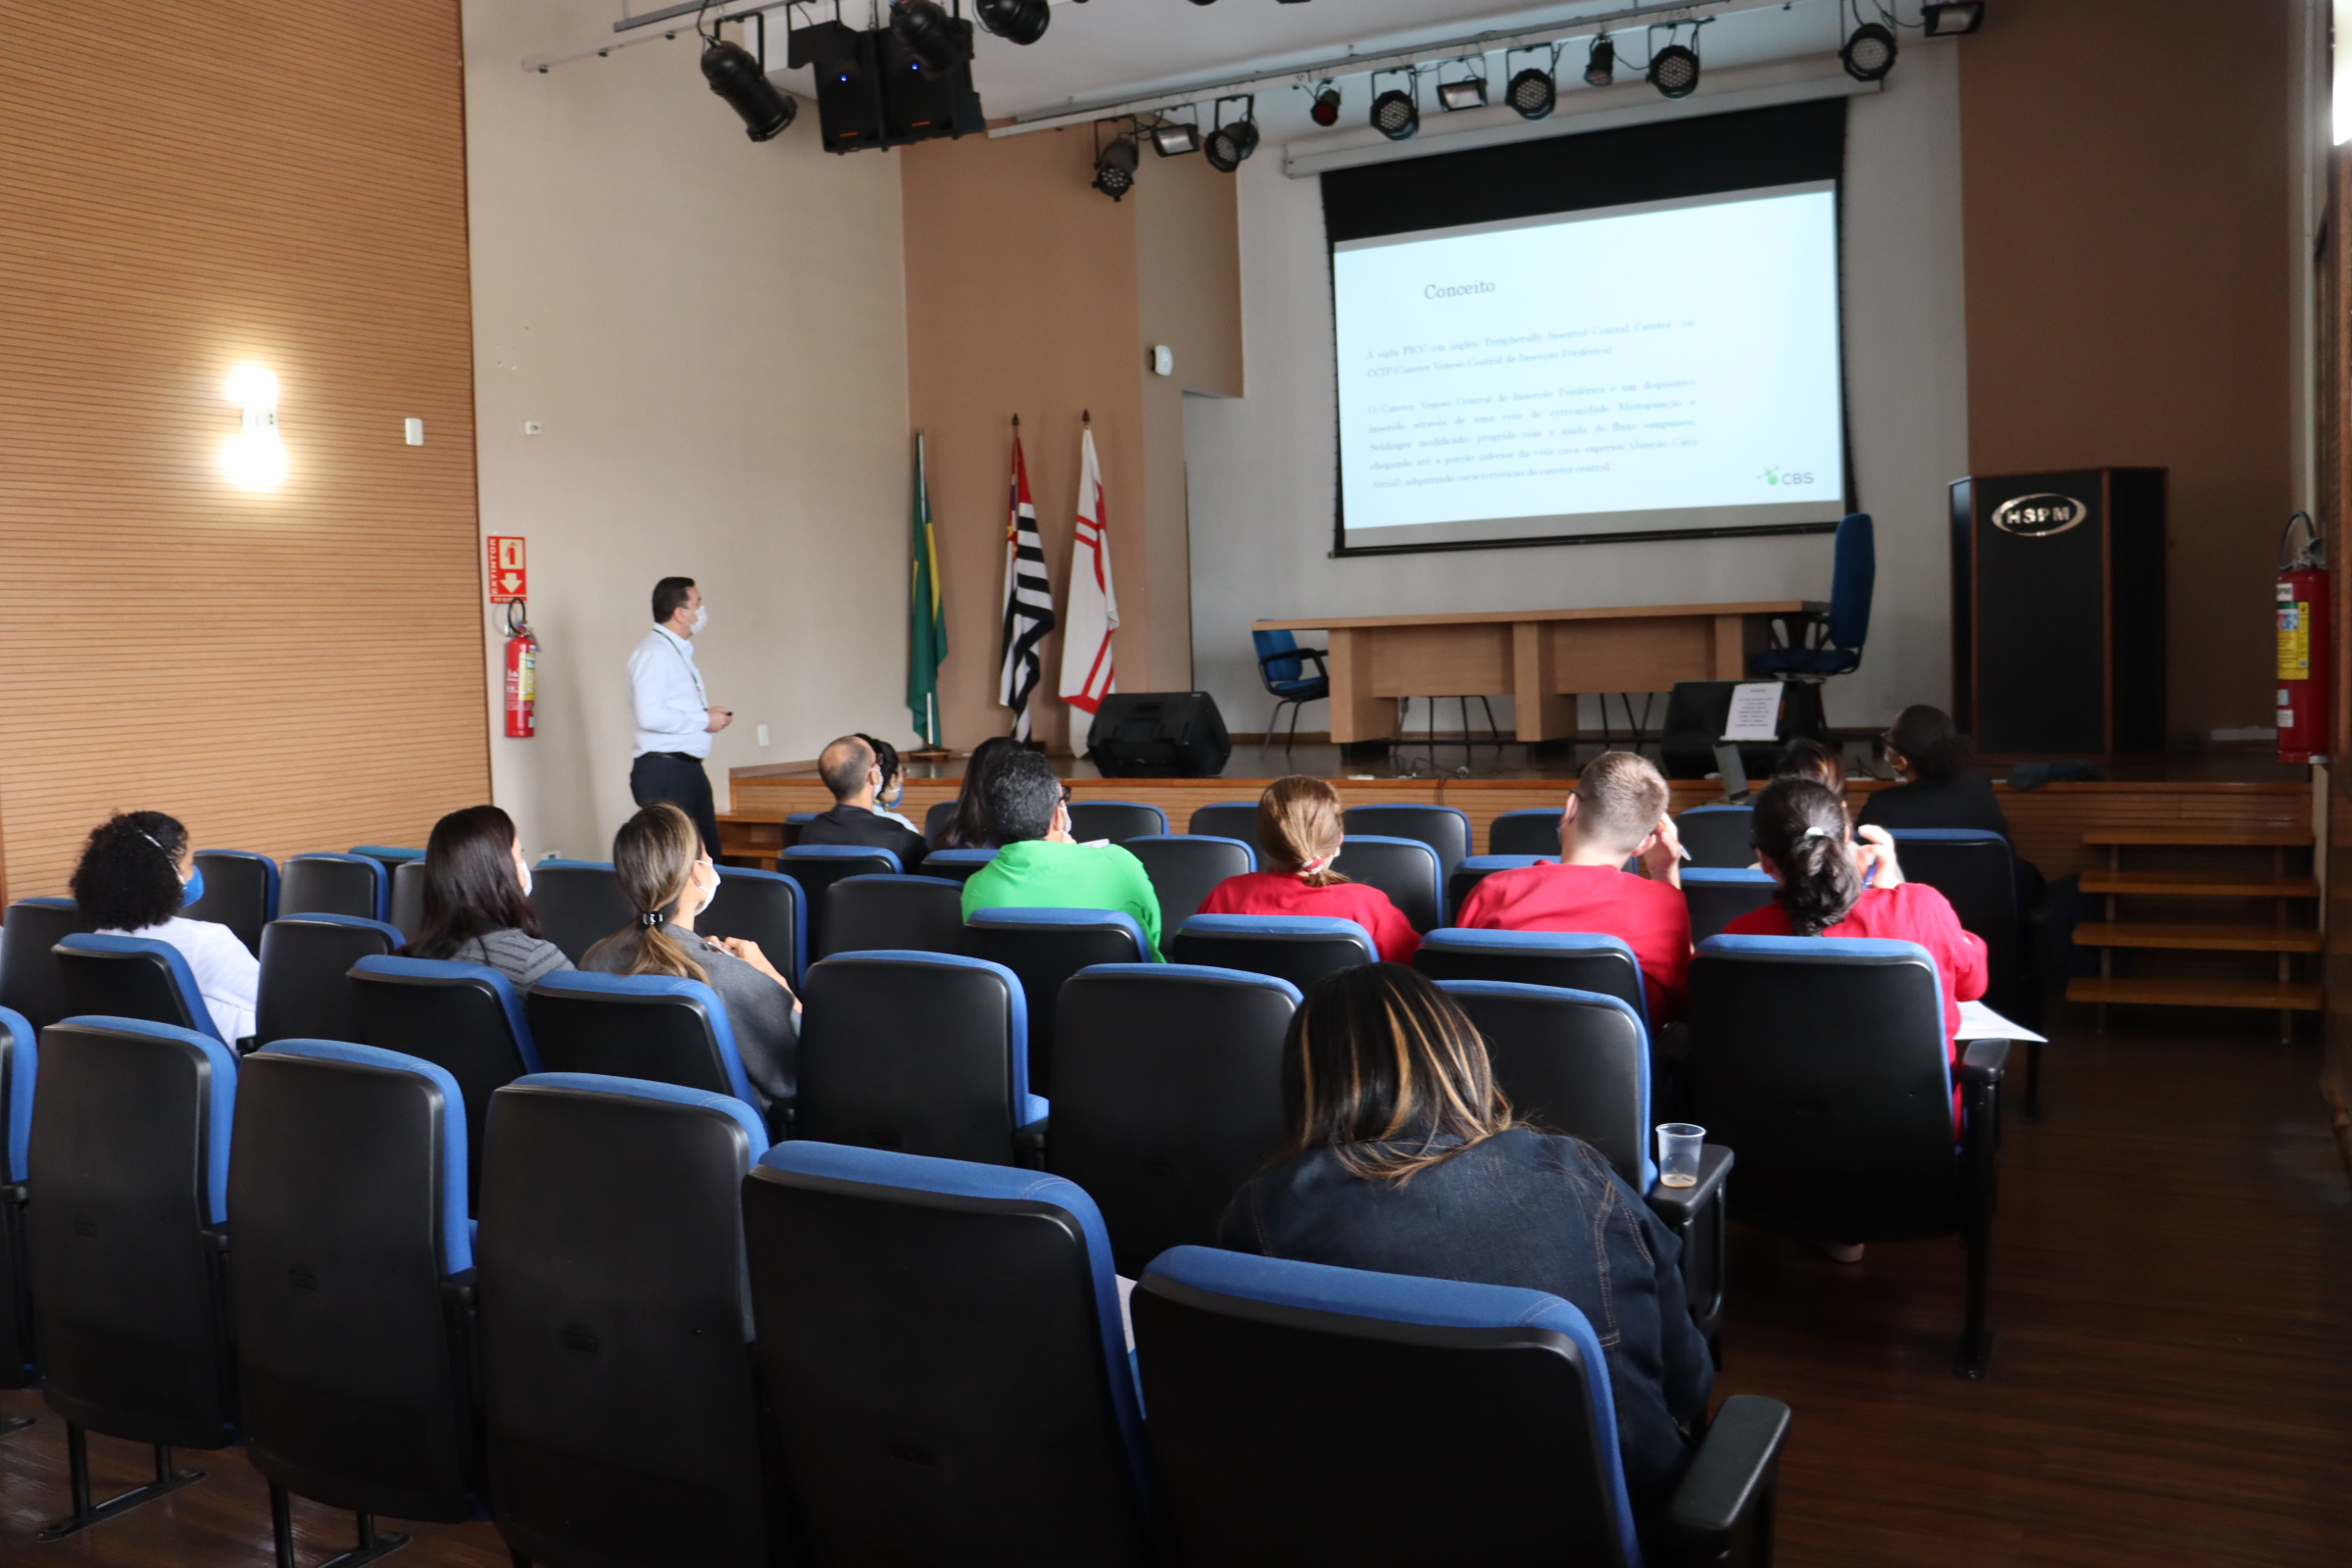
(2163, 993)
(2201, 884)
(2204, 938)
(2268, 838)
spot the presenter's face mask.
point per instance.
(702, 616)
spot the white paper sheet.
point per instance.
(1756, 711)
(1980, 1022)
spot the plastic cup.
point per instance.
(1678, 1153)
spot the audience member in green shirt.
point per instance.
(1040, 866)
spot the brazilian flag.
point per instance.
(926, 618)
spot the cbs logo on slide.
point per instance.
(1785, 476)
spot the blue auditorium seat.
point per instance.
(1116, 821)
(1721, 837)
(1476, 869)
(942, 1343)
(19, 1077)
(240, 891)
(958, 866)
(579, 904)
(1186, 867)
(663, 1028)
(914, 913)
(407, 914)
(1536, 831)
(766, 907)
(463, 1018)
(1717, 897)
(818, 866)
(133, 977)
(1977, 871)
(1579, 960)
(325, 883)
(1446, 829)
(1298, 948)
(1228, 819)
(305, 991)
(1045, 947)
(1408, 870)
(29, 981)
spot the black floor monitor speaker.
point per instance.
(1159, 735)
(1698, 710)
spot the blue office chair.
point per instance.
(1824, 1063)
(1717, 897)
(1408, 870)
(1576, 960)
(20, 1076)
(462, 1017)
(1169, 1096)
(910, 913)
(924, 1053)
(818, 866)
(326, 883)
(29, 981)
(1476, 869)
(1298, 948)
(1228, 819)
(1242, 1355)
(622, 1416)
(1184, 869)
(1977, 872)
(1116, 821)
(240, 891)
(1818, 645)
(956, 866)
(579, 904)
(1535, 831)
(1579, 1063)
(1044, 948)
(305, 992)
(662, 1028)
(1446, 829)
(1282, 666)
(766, 907)
(129, 1154)
(942, 1344)
(1719, 837)
(133, 977)
(350, 1283)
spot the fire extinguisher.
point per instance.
(523, 672)
(2304, 661)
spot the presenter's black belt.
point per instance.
(677, 757)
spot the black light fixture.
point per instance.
(1115, 166)
(1600, 65)
(735, 75)
(924, 29)
(1531, 92)
(1396, 112)
(1325, 110)
(1674, 70)
(1869, 51)
(1229, 146)
(1021, 21)
(1172, 138)
(1463, 92)
(1950, 20)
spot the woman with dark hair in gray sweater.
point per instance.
(477, 900)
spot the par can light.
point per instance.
(925, 31)
(1114, 168)
(1021, 21)
(1325, 110)
(1869, 54)
(1600, 66)
(1530, 93)
(1396, 112)
(736, 76)
(1230, 143)
(1674, 71)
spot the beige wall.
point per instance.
(712, 335)
(2127, 203)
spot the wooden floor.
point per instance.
(2171, 1283)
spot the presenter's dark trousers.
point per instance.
(679, 779)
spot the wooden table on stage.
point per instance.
(1540, 658)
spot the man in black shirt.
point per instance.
(852, 772)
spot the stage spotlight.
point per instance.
(924, 29)
(1021, 21)
(736, 76)
(1529, 92)
(1326, 110)
(1114, 168)
(1463, 92)
(1229, 145)
(1600, 66)
(1869, 54)
(1172, 137)
(1395, 113)
(1949, 20)
(1674, 71)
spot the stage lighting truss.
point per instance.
(1114, 165)
(1396, 112)
(1600, 62)
(1531, 91)
(1465, 91)
(1230, 143)
(1172, 138)
(1674, 70)
(1325, 110)
(1950, 20)
(1869, 50)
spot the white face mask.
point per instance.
(702, 616)
(526, 881)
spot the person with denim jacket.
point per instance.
(1405, 1158)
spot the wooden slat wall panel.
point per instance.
(291, 670)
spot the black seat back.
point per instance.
(579, 904)
(1170, 1097)
(818, 866)
(956, 866)
(408, 899)
(1229, 819)
(1446, 829)
(1300, 948)
(1977, 872)
(132, 977)
(941, 1342)
(462, 1017)
(1824, 1063)
(1476, 869)
(1408, 870)
(1719, 836)
(665, 1028)
(20, 1074)
(29, 981)
(616, 1376)
(1569, 1061)
(924, 1053)
(1044, 947)
(909, 913)
(1534, 830)
(306, 991)
(937, 819)
(240, 891)
(1572, 960)
(334, 884)
(1718, 896)
(762, 907)
(129, 1157)
(347, 1195)
(1186, 867)
(1116, 821)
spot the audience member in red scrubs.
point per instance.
(1299, 835)
(1618, 811)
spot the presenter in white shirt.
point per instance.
(671, 713)
(135, 873)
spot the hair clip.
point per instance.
(1819, 833)
(652, 917)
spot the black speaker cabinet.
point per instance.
(2058, 611)
(1159, 735)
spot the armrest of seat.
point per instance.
(17, 1193)
(1676, 1205)
(247, 1045)
(1315, 653)
(215, 1239)
(457, 1289)
(1029, 1143)
(1722, 1511)
(1983, 1065)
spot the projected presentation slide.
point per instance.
(1621, 370)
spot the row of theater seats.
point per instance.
(664, 1341)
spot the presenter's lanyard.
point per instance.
(692, 674)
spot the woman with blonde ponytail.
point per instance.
(658, 856)
(1298, 836)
